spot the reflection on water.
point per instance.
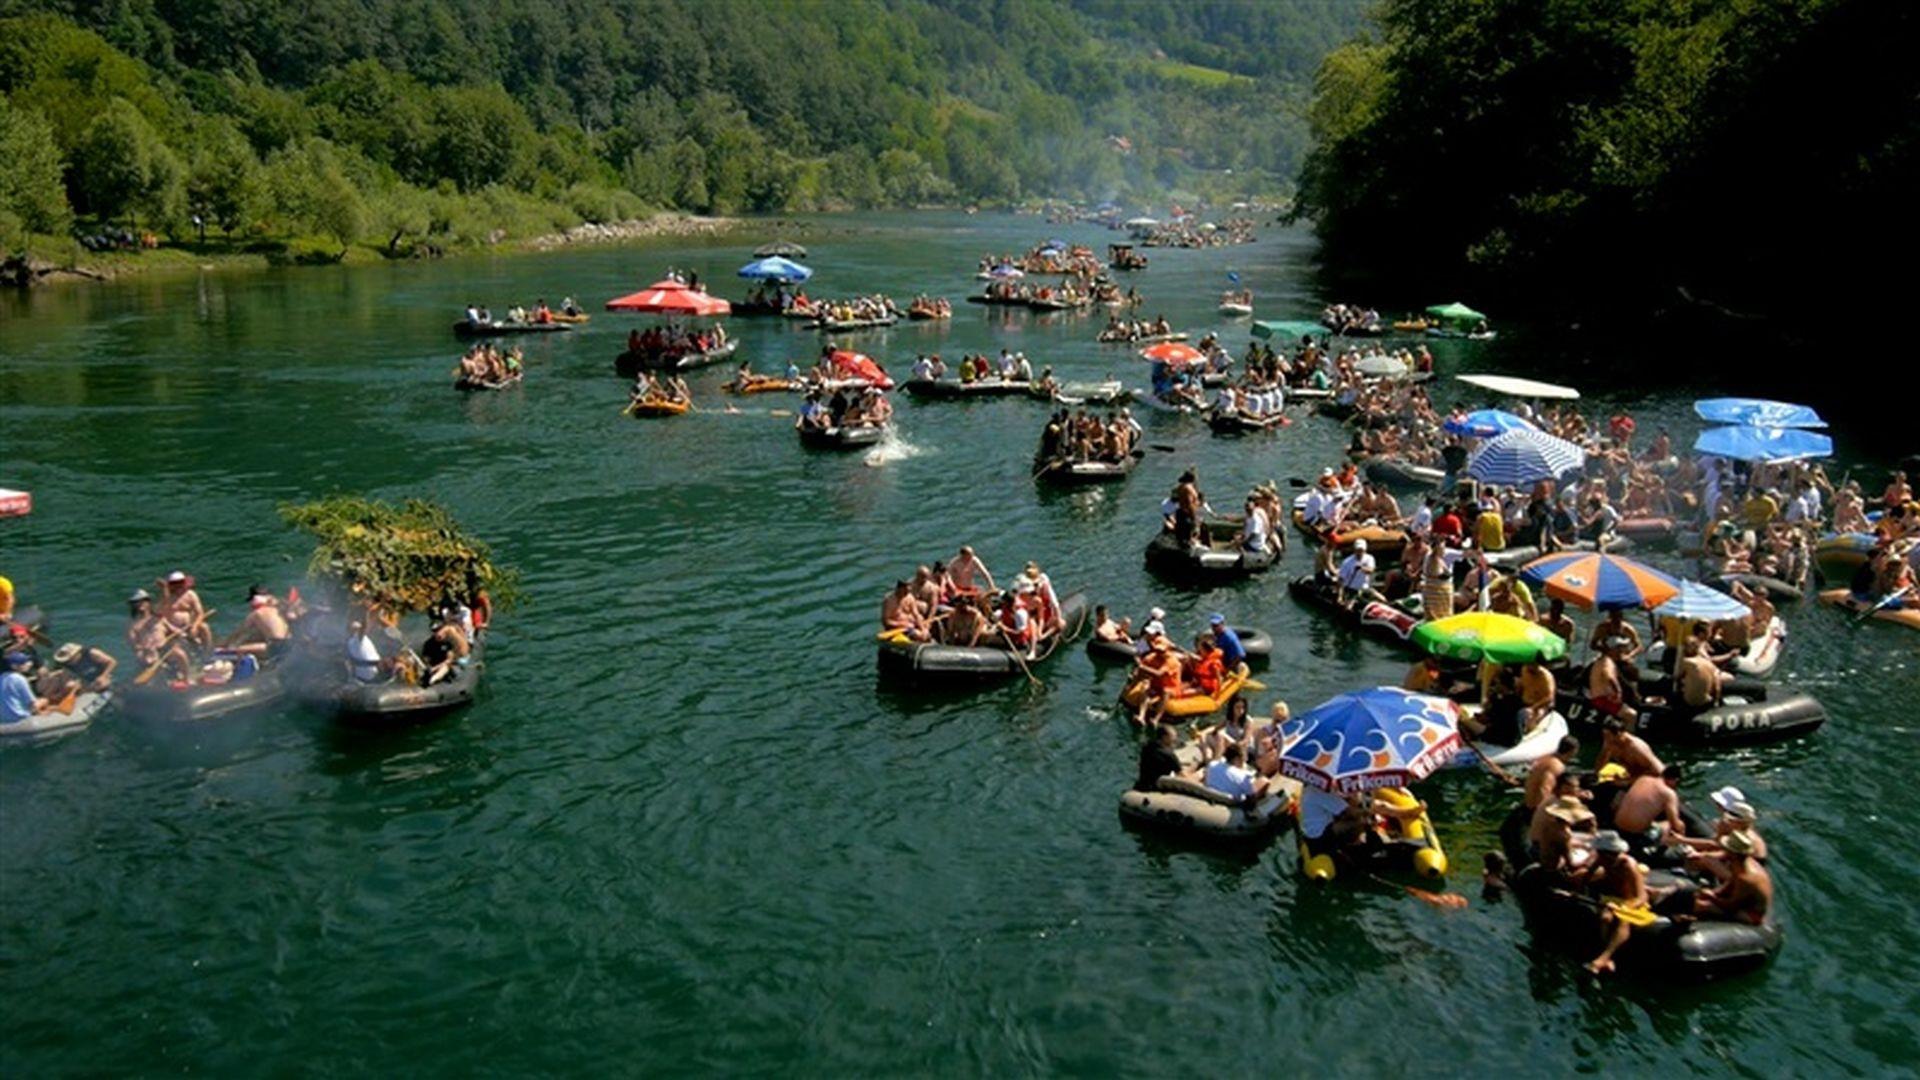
(685, 828)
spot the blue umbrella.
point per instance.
(1524, 456)
(1758, 412)
(1763, 444)
(1384, 737)
(1486, 423)
(1697, 601)
(775, 268)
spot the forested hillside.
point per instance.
(388, 120)
(1757, 157)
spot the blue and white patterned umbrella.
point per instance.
(1486, 423)
(1005, 270)
(1697, 601)
(1384, 737)
(1768, 444)
(775, 268)
(1525, 456)
(1757, 411)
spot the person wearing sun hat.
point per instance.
(1736, 815)
(1622, 884)
(1554, 825)
(1747, 893)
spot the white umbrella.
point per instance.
(1526, 388)
(1380, 365)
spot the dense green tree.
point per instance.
(116, 163)
(224, 185)
(32, 195)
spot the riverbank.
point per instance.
(30, 269)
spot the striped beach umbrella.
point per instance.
(1697, 601)
(1593, 581)
(1525, 456)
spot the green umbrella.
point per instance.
(1286, 329)
(1456, 312)
(1489, 635)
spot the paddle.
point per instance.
(1882, 604)
(1474, 745)
(1450, 900)
(172, 632)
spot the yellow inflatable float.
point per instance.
(1411, 845)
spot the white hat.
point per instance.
(1157, 613)
(177, 576)
(1360, 545)
(1727, 796)
(1154, 628)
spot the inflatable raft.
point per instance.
(466, 329)
(910, 662)
(1111, 392)
(1533, 746)
(1846, 601)
(1756, 661)
(1387, 622)
(939, 389)
(1738, 720)
(54, 723)
(842, 326)
(1211, 565)
(1839, 556)
(1191, 706)
(1781, 591)
(1414, 847)
(629, 364)
(399, 702)
(1510, 559)
(659, 407)
(1696, 950)
(470, 385)
(1191, 809)
(157, 700)
(1239, 423)
(1649, 531)
(1383, 543)
(1258, 643)
(1061, 473)
(1399, 474)
(841, 438)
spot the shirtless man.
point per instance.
(962, 570)
(901, 611)
(1747, 894)
(1551, 835)
(1544, 775)
(180, 605)
(151, 638)
(1538, 693)
(1619, 746)
(1622, 884)
(1700, 681)
(1615, 625)
(265, 631)
(1187, 503)
(1105, 628)
(1651, 806)
(1606, 691)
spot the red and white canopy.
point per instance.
(15, 503)
(670, 297)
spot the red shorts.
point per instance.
(1608, 705)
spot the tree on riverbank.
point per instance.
(1761, 153)
(497, 117)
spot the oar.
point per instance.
(165, 647)
(1449, 900)
(1496, 770)
(1165, 448)
(1882, 604)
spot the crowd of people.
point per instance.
(1351, 319)
(1135, 330)
(956, 602)
(859, 309)
(1163, 672)
(1011, 366)
(1080, 436)
(1188, 232)
(823, 411)
(662, 389)
(929, 307)
(540, 314)
(1185, 512)
(661, 343)
(487, 365)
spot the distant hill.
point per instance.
(376, 119)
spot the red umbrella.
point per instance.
(670, 297)
(860, 366)
(15, 503)
(1173, 352)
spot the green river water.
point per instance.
(685, 831)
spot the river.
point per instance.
(685, 830)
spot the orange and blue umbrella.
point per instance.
(1379, 738)
(1593, 581)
